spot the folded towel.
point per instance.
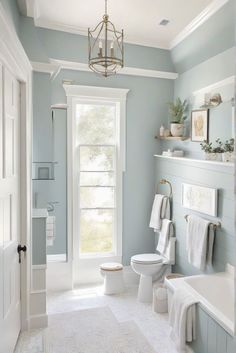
(199, 242)
(182, 318)
(50, 234)
(51, 219)
(50, 230)
(166, 232)
(160, 210)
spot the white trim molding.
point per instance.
(30, 6)
(55, 66)
(13, 56)
(209, 11)
(226, 82)
(46, 68)
(77, 94)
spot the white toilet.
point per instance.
(112, 272)
(152, 266)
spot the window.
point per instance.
(96, 162)
(96, 139)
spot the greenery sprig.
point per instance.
(177, 110)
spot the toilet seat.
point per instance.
(148, 259)
(111, 266)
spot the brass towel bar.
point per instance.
(215, 225)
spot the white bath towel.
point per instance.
(160, 210)
(182, 318)
(166, 232)
(199, 242)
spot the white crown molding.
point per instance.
(132, 71)
(212, 8)
(57, 26)
(46, 68)
(226, 82)
(93, 91)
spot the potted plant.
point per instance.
(176, 111)
(213, 153)
(228, 154)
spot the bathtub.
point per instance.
(214, 292)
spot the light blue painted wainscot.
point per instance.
(211, 337)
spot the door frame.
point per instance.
(14, 58)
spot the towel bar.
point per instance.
(164, 181)
(215, 225)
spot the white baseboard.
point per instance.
(38, 321)
(189, 349)
(56, 258)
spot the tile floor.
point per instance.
(125, 307)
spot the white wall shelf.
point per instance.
(194, 160)
(172, 138)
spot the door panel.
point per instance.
(9, 211)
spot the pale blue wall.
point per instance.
(213, 37)
(41, 44)
(212, 70)
(205, 57)
(11, 9)
(146, 109)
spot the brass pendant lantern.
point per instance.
(106, 49)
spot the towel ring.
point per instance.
(164, 181)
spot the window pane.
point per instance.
(95, 158)
(94, 179)
(95, 123)
(96, 229)
(91, 197)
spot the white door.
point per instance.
(9, 211)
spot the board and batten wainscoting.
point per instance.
(211, 337)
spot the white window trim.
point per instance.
(75, 93)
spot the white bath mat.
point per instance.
(85, 331)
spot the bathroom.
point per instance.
(117, 194)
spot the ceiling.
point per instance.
(139, 18)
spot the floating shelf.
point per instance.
(172, 138)
(204, 161)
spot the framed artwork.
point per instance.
(200, 198)
(199, 125)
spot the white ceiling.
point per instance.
(139, 18)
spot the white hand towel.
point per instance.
(160, 210)
(50, 230)
(182, 318)
(199, 242)
(51, 219)
(165, 234)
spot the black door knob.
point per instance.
(19, 249)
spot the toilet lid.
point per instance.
(111, 266)
(147, 258)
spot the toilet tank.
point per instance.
(170, 251)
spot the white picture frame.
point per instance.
(200, 198)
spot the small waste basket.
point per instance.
(160, 300)
(169, 290)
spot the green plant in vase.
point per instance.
(177, 111)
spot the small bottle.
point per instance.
(162, 129)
